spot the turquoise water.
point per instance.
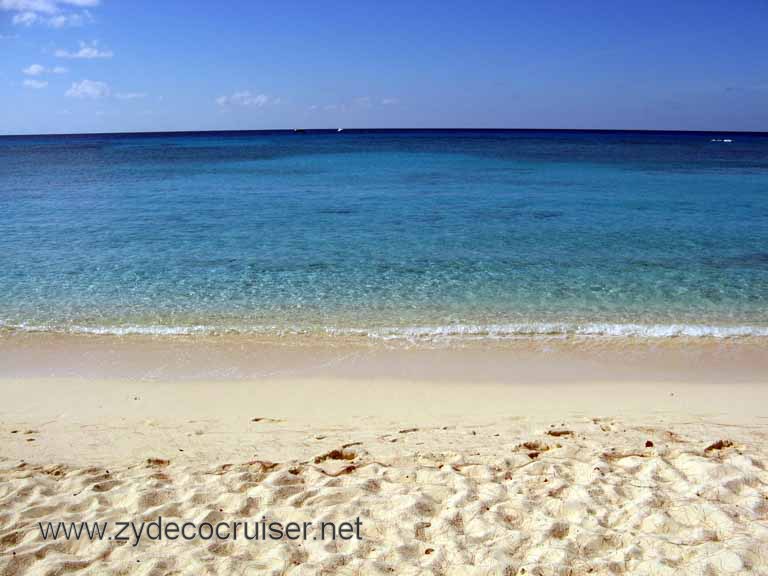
(390, 234)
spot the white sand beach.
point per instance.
(445, 476)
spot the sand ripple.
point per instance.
(566, 498)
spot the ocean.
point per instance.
(394, 235)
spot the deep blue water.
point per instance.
(417, 232)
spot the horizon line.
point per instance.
(368, 130)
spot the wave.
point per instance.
(144, 329)
(553, 329)
(420, 333)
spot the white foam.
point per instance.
(422, 333)
(552, 329)
(139, 329)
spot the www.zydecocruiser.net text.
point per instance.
(159, 530)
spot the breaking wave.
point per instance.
(419, 333)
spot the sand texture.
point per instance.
(493, 491)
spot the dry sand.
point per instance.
(496, 475)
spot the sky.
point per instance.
(71, 66)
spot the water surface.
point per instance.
(411, 234)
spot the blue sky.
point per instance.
(126, 65)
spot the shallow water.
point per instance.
(416, 235)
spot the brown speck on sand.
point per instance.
(719, 445)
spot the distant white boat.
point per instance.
(339, 129)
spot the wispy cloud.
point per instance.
(38, 69)
(92, 89)
(34, 70)
(53, 13)
(81, 3)
(70, 20)
(327, 107)
(359, 103)
(246, 98)
(25, 19)
(363, 102)
(44, 6)
(36, 84)
(86, 52)
(130, 95)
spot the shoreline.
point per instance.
(413, 334)
(242, 358)
(98, 381)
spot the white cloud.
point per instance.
(24, 19)
(50, 12)
(130, 95)
(34, 70)
(81, 3)
(69, 20)
(37, 70)
(44, 6)
(356, 104)
(37, 84)
(92, 89)
(87, 51)
(246, 98)
(363, 102)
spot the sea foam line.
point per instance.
(555, 329)
(420, 333)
